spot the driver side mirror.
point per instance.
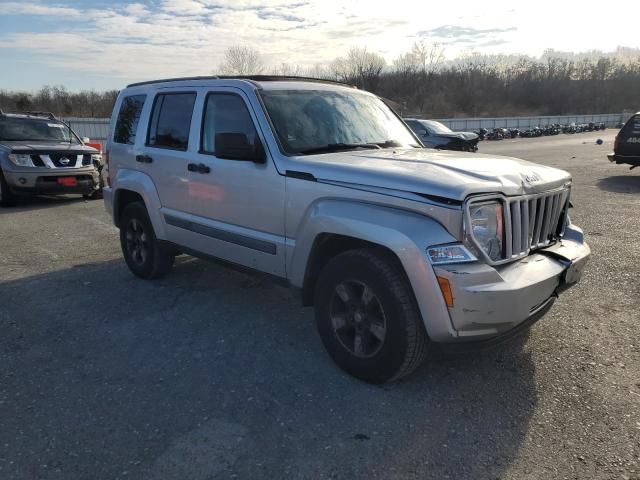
(423, 133)
(236, 146)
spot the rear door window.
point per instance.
(128, 117)
(171, 120)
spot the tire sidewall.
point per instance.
(6, 197)
(139, 212)
(385, 364)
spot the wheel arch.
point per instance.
(331, 227)
(131, 186)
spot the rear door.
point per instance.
(168, 147)
(629, 138)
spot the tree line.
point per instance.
(423, 82)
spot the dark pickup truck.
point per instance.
(40, 154)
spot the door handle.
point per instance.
(198, 167)
(144, 159)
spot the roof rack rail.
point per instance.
(41, 114)
(253, 78)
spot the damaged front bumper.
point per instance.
(493, 301)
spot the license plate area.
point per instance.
(68, 181)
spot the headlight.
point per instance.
(96, 157)
(487, 228)
(453, 253)
(21, 160)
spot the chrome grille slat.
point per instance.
(524, 205)
(548, 208)
(540, 214)
(516, 230)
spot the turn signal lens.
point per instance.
(445, 287)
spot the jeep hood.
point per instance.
(452, 175)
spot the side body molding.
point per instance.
(142, 184)
(405, 233)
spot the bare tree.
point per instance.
(290, 70)
(360, 67)
(242, 61)
(427, 57)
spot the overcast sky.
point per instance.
(105, 44)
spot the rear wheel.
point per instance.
(7, 199)
(146, 257)
(367, 316)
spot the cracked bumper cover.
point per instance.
(491, 301)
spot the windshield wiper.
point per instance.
(336, 147)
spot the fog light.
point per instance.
(445, 287)
(22, 180)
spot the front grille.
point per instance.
(58, 160)
(536, 221)
(37, 161)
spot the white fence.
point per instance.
(466, 124)
(97, 128)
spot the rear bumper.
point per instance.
(489, 302)
(624, 159)
(46, 182)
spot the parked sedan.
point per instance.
(436, 135)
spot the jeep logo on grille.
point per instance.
(531, 177)
(64, 161)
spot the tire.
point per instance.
(393, 341)
(7, 199)
(146, 257)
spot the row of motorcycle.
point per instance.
(553, 129)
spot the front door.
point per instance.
(237, 205)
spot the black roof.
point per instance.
(252, 78)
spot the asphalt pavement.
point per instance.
(212, 373)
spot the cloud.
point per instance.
(28, 8)
(454, 34)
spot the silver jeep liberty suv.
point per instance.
(396, 246)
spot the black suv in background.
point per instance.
(626, 148)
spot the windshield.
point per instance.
(435, 127)
(320, 121)
(31, 129)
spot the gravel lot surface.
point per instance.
(211, 373)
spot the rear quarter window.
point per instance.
(632, 128)
(128, 118)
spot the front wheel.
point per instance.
(7, 199)
(146, 257)
(367, 316)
